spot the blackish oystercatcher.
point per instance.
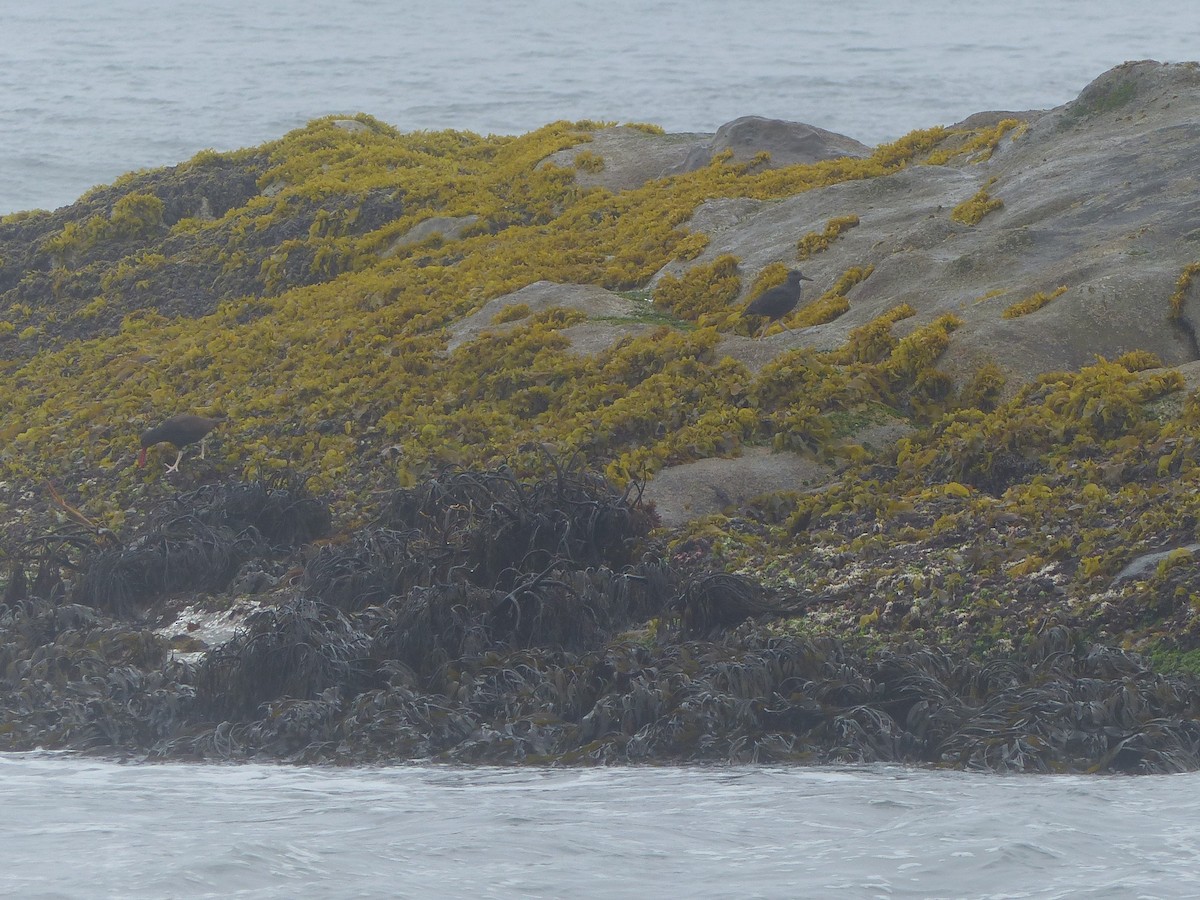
(179, 431)
(778, 301)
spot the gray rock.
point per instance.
(788, 143)
(631, 156)
(696, 489)
(449, 227)
(351, 125)
(1100, 195)
(617, 316)
(251, 578)
(1146, 565)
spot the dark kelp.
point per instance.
(412, 640)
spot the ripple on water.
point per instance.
(152, 831)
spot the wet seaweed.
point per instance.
(719, 600)
(385, 646)
(306, 683)
(373, 566)
(295, 651)
(71, 677)
(434, 626)
(1074, 709)
(16, 588)
(196, 541)
(502, 526)
(180, 554)
(63, 549)
(278, 508)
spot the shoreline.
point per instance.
(557, 665)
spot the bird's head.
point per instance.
(795, 276)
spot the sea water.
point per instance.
(80, 828)
(89, 91)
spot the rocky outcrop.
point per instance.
(1097, 213)
(448, 227)
(1098, 196)
(609, 316)
(541, 334)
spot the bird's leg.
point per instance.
(174, 467)
(202, 440)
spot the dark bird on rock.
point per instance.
(179, 431)
(778, 301)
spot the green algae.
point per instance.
(1113, 97)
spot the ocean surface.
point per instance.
(91, 90)
(80, 828)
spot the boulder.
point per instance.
(788, 143)
(708, 486)
(632, 156)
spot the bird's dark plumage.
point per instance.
(180, 431)
(778, 301)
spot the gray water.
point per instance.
(78, 828)
(91, 90)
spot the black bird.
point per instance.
(179, 431)
(778, 301)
